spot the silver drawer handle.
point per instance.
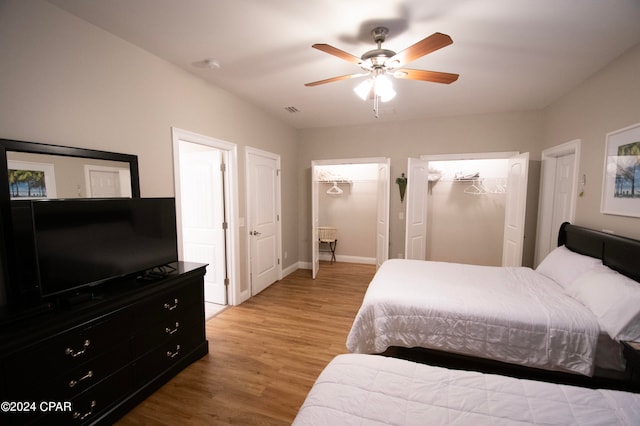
(72, 353)
(79, 416)
(73, 383)
(174, 354)
(170, 331)
(171, 307)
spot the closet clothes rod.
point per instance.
(331, 181)
(350, 181)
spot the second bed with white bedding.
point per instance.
(356, 389)
(510, 314)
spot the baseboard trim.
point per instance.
(339, 258)
(291, 269)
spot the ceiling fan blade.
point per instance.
(332, 79)
(337, 52)
(427, 45)
(433, 76)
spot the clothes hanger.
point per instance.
(334, 190)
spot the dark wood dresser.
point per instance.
(92, 362)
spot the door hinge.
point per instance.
(277, 172)
(226, 282)
(223, 167)
(277, 218)
(225, 225)
(278, 261)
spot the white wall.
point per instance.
(513, 131)
(608, 101)
(353, 212)
(462, 225)
(64, 81)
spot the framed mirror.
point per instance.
(30, 170)
(35, 170)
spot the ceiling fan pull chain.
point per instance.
(376, 99)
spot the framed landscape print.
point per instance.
(29, 180)
(621, 182)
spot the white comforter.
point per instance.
(508, 314)
(357, 389)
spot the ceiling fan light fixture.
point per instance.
(383, 88)
(364, 89)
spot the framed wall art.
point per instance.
(29, 180)
(621, 180)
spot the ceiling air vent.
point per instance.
(292, 109)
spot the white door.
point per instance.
(416, 218)
(104, 183)
(382, 228)
(558, 191)
(315, 250)
(202, 214)
(263, 209)
(107, 182)
(206, 201)
(515, 208)
(562, 193)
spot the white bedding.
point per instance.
(514, 315)
(356, 389)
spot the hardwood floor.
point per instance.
(265, 354)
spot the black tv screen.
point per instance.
(85, 242)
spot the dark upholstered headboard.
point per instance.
(619, 253)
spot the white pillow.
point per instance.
(563, 265)
(613, 298)
(594, 289)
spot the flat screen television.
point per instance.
(85, 242)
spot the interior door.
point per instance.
(107, 182)
(382, 227)
(515, 208)
(315, 250)
(416, 218)
(202, 215)
(563, 191)
(264, 216)
(558, 194)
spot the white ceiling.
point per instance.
(511, 54)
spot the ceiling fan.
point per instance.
(379, 63)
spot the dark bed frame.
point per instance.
(619, 253)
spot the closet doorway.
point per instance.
(467, 208)
(206, 210)
(351, 195)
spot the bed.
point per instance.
(357, 389)
(567, 315)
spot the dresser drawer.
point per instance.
(98, 360)
(168, 306)
(165, 355)
(88, 405)
(67, 351)
(175, 325)
(57, 385)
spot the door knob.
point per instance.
(255, 233)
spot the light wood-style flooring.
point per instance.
(265, 354)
